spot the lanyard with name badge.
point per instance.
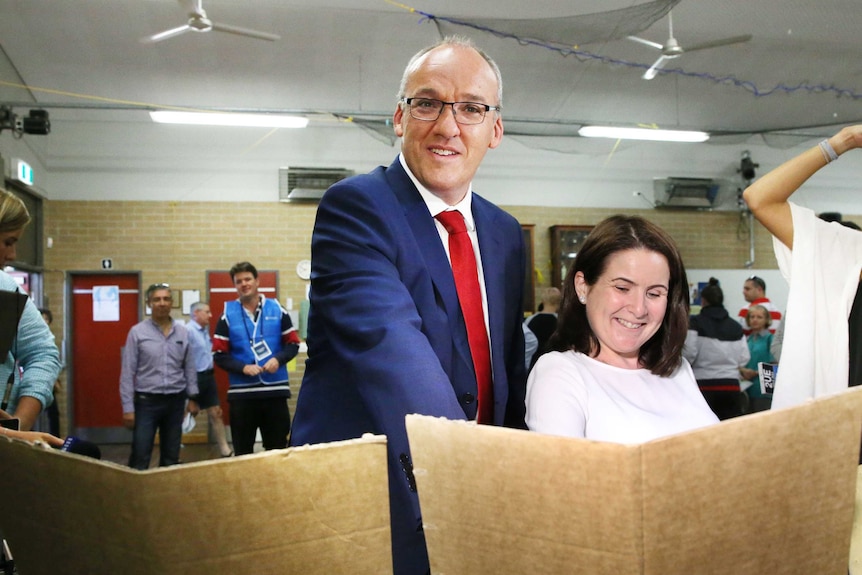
(260, 349)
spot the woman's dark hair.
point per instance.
(712, 294)
(662, 354)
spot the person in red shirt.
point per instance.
(754, 291)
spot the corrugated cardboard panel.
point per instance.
(768, 493)
(856, 537)
(310, 510)
(500, 501)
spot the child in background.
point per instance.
(759, 344)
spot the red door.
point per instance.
(98, 330)
(220, 289)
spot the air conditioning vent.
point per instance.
(307, 184)
(686, 193)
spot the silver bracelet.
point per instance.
(828, 151)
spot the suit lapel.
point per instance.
(492, 250)
(431, 251)
(424, 229)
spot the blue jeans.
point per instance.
(157, 412)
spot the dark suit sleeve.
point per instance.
(516, 410)
(362, 250)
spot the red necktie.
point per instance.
(470, 298)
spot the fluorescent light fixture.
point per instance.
(642, 134)
(228, 119)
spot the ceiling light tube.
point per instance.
(642, 134)
(228, 119)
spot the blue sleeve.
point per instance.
(127, 372)
(364, 255)
(189, 367)
(37, 356)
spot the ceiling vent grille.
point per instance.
(686, 193)
(307, 184)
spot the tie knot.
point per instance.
(453, 221)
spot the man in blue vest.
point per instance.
(253, 341)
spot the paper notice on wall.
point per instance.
(106, 303)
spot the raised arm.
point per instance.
(767, 197)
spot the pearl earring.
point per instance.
(583, 299)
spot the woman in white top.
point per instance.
(617, 373)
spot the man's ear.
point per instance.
(497, 136)
(397, 118)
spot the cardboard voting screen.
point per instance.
(309, 510)
(770, 493)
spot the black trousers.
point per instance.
(724, 397)
(270, 415)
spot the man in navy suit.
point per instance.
(386, 335)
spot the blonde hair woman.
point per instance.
(14, 217)
(33, 350)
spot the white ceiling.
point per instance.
(83, 61)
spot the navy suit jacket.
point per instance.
(386, 336)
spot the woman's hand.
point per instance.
(747, 373)
(32, 436)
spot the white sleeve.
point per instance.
(556, 397)
(689, 351)
(743, 351)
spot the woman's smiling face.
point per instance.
(627, 304)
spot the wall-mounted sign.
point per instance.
(23, 172)
(107, 264)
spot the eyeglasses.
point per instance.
(429, 109)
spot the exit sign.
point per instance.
(23, 172)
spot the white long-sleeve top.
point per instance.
(823, 272)
(573, 395)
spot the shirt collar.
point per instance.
(157, 326)
(260, 300)
(436, 205)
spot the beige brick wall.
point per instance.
(177, 242)
(707, 240)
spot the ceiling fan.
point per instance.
(199, 22)
(671, 48)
